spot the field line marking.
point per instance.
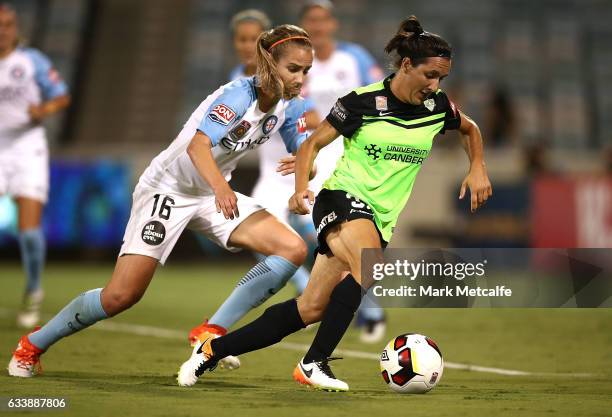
(144, 330)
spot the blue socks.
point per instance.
(299, 280)
(260, 283)
(80, 313)
(32, 246)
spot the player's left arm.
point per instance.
(477, 179)
(49, 107)
(53, 89)
(294, 133)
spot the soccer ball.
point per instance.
(411, 363)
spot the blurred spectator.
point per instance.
(30, 91)
(499, 118)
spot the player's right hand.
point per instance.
(301, 201)
(227, 202)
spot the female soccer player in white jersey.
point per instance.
(272, 188)
(30, 91)
(186, 186)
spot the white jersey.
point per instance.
(26, 78)
(231, 118)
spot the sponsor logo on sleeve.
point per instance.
(453, 108)
(239, 131)
(339, 112)
(301, 124)
(222, 114)
(54, 76)
(269, 124)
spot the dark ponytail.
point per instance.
(412, 41)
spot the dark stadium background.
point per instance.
(536, 76)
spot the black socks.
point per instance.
(271, 327)
(343, 303)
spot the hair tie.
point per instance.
(287, 39)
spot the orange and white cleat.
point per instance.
(318, 375)
(202, 359)
(200, 333)
(205, 330)
(25, 362)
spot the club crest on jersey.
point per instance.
(269, 124)
(222, 114)
(381, 102)
(239, 131)
(429, 104)
(17, 73)
(301, 124)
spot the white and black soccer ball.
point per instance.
(411, 363)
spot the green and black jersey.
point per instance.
(385, 143)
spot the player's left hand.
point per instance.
(478, 182)
(37, 113)
(286, 165)
(301, 202)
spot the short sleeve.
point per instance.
(309, 104)
(452, 115)
(47, 78)
(344, 115)
(293, 130)
(226, 109)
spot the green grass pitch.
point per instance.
(114, 373)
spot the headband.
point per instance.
(287, 39)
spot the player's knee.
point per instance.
(311, 310)
(294, 250)
(114, 302)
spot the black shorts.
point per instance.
(334, 207)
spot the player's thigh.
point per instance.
(29, 180)
(347, 240)
(264, 233)
(29, 212)
(326, 273)
(254, 229)
(157, 219)
(129, 281)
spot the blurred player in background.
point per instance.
(30, 91)
(187, 186)
(338, 68)
(272, 189)
(389, 128)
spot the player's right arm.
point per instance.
(226, 109)
(200, 153)
(306, 154)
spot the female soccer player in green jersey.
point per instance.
(388, 128)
